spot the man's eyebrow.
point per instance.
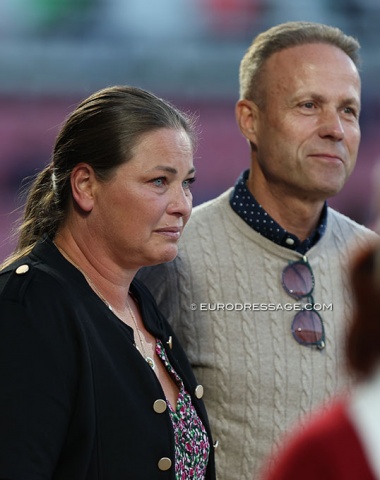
(344, 101)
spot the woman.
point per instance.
(341, 442)
(93, 383)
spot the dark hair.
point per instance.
(363, 341)
(280, 37)
(102, 131)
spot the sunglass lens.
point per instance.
(297, 280)
(307, 328)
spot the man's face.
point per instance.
(307, 133)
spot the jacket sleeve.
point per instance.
(36, 394)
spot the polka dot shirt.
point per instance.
(245, 205)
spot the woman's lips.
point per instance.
(171, 232)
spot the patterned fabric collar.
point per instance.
(245, 205)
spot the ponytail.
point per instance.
(41, 215)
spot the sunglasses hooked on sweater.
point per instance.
(307, 326)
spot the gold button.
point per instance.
(159, 406)
(22, 269)
(164, 463)
(199, 391)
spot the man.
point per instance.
(259, 292)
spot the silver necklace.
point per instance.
(146, 357)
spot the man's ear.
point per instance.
(83, 181)
(247, 113)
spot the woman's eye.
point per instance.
(159, 182)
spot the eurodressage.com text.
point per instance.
(272, 307)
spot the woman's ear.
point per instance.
(247, 113)
(83, 181)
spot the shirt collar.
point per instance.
(244, 204)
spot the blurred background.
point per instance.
(53, 53)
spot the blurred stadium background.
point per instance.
(53, 53)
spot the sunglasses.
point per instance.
(307, 325)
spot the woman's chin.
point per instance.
(167, 256)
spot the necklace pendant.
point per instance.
(170, 342)
(150, 362)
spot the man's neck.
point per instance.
(299, 216)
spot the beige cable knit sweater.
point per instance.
(258, 380)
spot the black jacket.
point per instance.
(76, 397)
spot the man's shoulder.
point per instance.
(209, 215)
(341, 221)
(348, 233)
(211, 206)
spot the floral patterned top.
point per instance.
(192, 446)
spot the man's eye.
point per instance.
(187, 183)
(350, 111)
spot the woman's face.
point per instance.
(140, 213)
